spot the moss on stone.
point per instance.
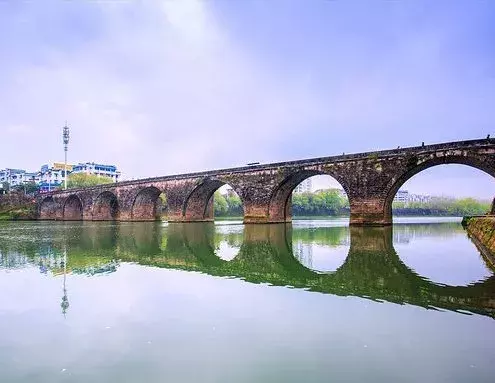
(482, 230)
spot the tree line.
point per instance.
(227, 205)
(442, 207)
(331, 202)
(324, 202)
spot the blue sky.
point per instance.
(169, 87)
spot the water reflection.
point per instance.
(332, 260)
(322, 249)
(445, 259)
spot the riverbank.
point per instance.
(17, 206)
(481, 230)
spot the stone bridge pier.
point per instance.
(370, 181)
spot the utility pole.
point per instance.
(65, 136)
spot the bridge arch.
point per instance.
(48, 208)
(146, 204)
(199, 203)
(280, 208)
(106, 207)
(73, 208)
(397, 182)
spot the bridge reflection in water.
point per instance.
(372, 268)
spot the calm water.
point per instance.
(315, 301)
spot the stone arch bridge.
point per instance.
(370, 180)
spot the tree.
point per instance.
(469, 206)
(220, 204)
(80, 180)
(26, 188)
(323, 203)
(442, 206)
(163, 206)
(301, 204)
(31, 187)
(235, 205)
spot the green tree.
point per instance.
(334, 202)
(27, 188)
(324, 202)
(162, 204)
(469, 206)
(443, 207)
(80, 180)
(301, 204)
(31, 187)
(234, 205)
(220, 204)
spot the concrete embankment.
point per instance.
(17, 206)
(482, 231)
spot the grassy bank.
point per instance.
(18, 213)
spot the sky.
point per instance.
(166, 87)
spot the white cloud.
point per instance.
(190, 19)
(164, 87)
(169, 93)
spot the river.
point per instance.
(315, 301)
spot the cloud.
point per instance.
(169, 87)
(167, 93)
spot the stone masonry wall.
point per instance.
(482, 232)
(17, 206)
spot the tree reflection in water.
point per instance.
(264, 254)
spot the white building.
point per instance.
(304, 187)
(11, 176)
(406, 197)
(97, 169)
(16, 177)
(32, 177)
(53, 175)
(402, 196)
(419, 198)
